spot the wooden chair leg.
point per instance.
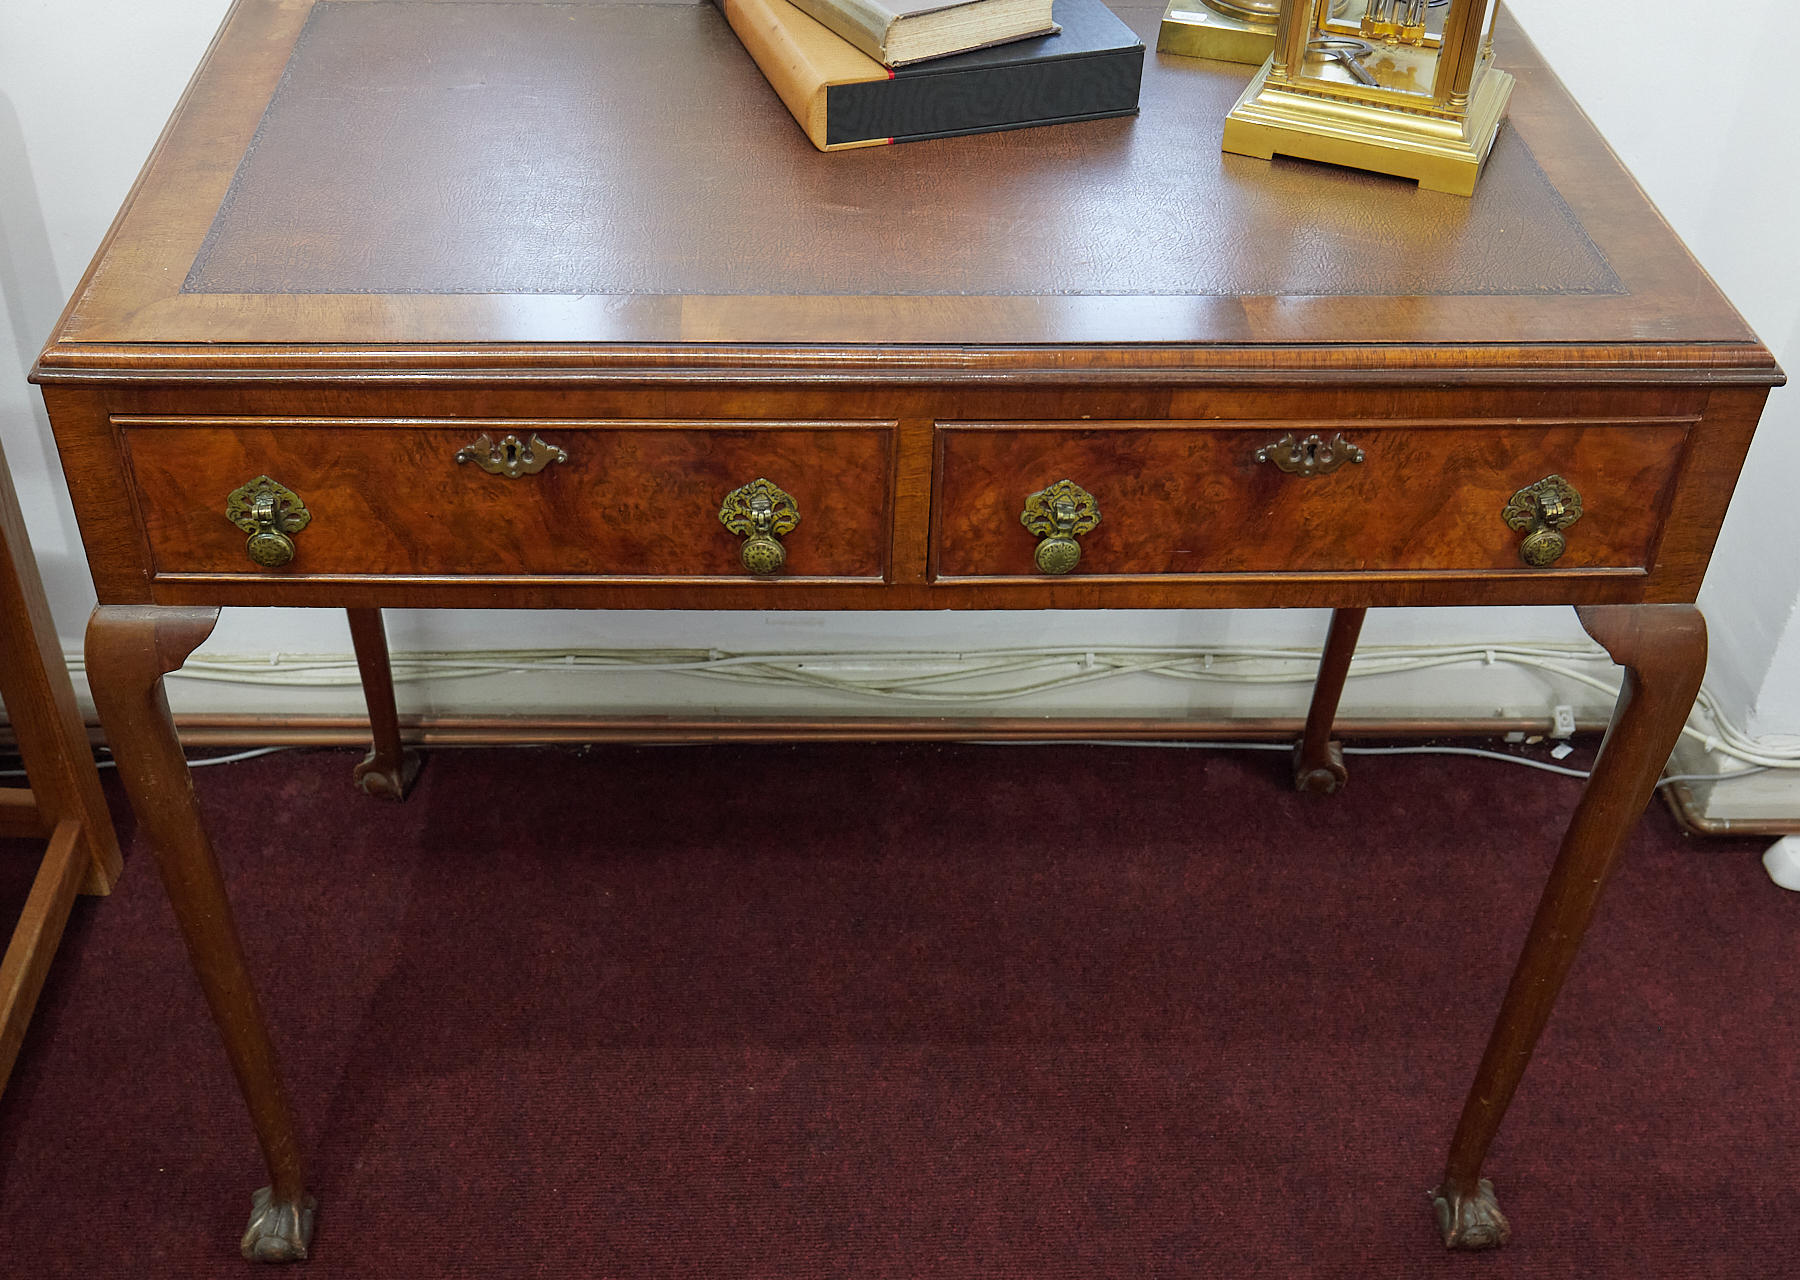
(129, 649)
(1663, 650)
(389, 769)
(1318, 761)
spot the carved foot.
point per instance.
(1471, 1223)
(278, 1231)
(1322, 777)
(380, 779)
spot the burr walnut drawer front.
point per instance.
(1255, 497)
(632, 499)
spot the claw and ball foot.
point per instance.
(384, 779)
(279, 1230)
(1320, 772)
(1470, 1222)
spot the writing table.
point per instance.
(448, 304)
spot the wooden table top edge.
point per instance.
(1727, 361)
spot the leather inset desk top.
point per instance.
(700, 183)
(553, 184)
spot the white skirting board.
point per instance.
(1070, 683)
(1251, 665)
(1771, 797)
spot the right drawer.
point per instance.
(1189, 498)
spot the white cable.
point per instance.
(1360, 751)
(192, 764)
(1174, 743)
(1467, 751)
(233, 759)
(1288, 746)
(1711, 777)
(1124, 742)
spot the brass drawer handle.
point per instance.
(268, 512)
(760, 513)
(1059, 515)
(1546, 509)
(1310, 457)
(512, 457)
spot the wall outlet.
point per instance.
(1563, 723)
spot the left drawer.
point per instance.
(628, 499)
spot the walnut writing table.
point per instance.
(378, 231)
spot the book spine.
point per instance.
(988, 98)
(863, 24)
(784, 63)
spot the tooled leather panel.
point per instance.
(635, 148)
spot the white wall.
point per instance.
(84, 90)
(1717, 146)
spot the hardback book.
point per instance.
(844, 98)
(896, 32)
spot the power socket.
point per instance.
(1563, 725)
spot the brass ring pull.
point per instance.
(1059, 515)
(268, 512)
(760, 513)
(1546, 509)
(1310, 457)
(512, 457)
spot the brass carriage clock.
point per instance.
(1225, 30)
(1406, 87)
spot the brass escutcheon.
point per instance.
(512, 457)
(1310, 457)
(1546, 509)
(760, 513)
(268, 512)
(1059, 515)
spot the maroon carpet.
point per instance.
(914, 1011)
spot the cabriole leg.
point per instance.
(389, 769)
(1318, 761)
(129, 650)
(1663, 650)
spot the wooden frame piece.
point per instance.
(64, 802)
